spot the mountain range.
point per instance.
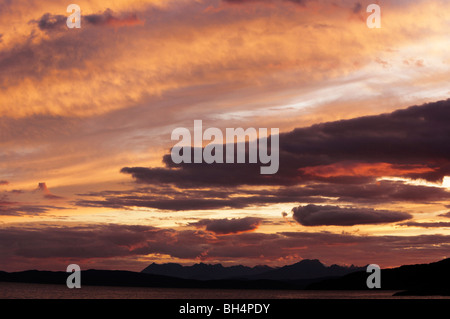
(305, 269)
(420, 279)
(296, 276)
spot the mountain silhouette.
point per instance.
(419, 279)
(296, 276)
(203, 271)
(307, 269)
(138, 279)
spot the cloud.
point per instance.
(89, 108)
(50, 22)
(409, 143)
(228, 226)
(8, 208)
(172, 199)
(426, 225)
(3, 182)
(414, 62)
(77, 242)
(312, 215)
(355, 169)
(299, 2)
(266, 57)
(42, 188)
(25, 203)
(95, 245)
(111, 19)
(357, 8)
(445, 214)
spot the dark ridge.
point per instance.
(414, 280)
(306, 269)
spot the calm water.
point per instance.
(41, 291)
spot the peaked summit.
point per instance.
(305, 269)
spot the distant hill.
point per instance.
(93, 277)
(421, 279)
(296, 276)
(203, 271)
(305, 269)
(136, 279)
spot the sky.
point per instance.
(86, 117)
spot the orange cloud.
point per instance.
(178, 48)
(364, 169)
(129, 20)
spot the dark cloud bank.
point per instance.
(312, 215)
(316, 164)
(414, 142)
(406, 143)
(228, 226)
(51, 22)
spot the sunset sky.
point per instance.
(86, 117)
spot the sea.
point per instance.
(46, 291)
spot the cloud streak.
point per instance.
(312, 215)
(427, 225)
(171, 199)
(51, 22)
(228, 226)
